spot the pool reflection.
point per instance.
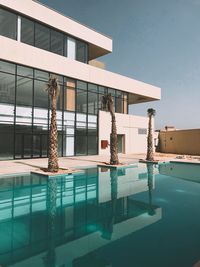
(64, 221)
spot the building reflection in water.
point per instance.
(64, 221)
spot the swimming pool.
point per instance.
(141, 216)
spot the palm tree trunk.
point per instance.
(150, 141)
(53, 139)
(114, 160)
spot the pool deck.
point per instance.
(27, 165)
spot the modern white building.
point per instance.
(36, 41)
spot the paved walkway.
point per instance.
(27, 165)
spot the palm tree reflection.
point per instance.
(150, 174)
(110, 219)
(50, 258)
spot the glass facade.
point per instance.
(8, 24)
(25, 113)
(44, 37)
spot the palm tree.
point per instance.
(151, 113)
(108, 104)
(53, 89)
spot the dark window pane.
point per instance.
(111, 91)
(81, 131)
(7, 67)
(36, 146)
(81, 145)
(24, 71)
(6, 141)
(60, 144)
(81, 101)
(8, 24)
(40, 94)
(65, 45)
(103, 90)
(41, 75)
(27, 31)
(27, 145)
(42, 36)
(81, 85)
(56, 42)
(92, 87)
(60, 99)
(24, 91)
(81, 51)
(100, 103)
(7, 88)
(92, 103)
(119, 105)
(92, 145)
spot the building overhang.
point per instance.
(99, 44)
(27, 55)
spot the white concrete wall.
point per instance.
(21, 53)
(127, 125)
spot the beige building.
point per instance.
(180, 141)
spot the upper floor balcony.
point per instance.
(32, 23)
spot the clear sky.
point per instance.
(155, 41)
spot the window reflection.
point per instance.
(27, 31)
(24, 91)
(8, 24)
(42, 36)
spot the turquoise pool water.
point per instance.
(141, 216)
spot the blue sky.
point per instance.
(155, 41)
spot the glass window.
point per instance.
(6, 141)
(81, 51)
(119, 105)
(27, 31)
(103, 90)
(71, 48)
(142, 131)
(41, 75)
(111, 91)
(7, 88)
(42, 36)
(81, 85)
(65, 45)
(57, 42)
(7, 67)
(8, 24)
(92, 87)
(24, 71)
(24, 91)
(92, 145)
(60, 98)
(40, 94)
(92, 103)
(69, 95)
(81, 101)
(81, 145)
